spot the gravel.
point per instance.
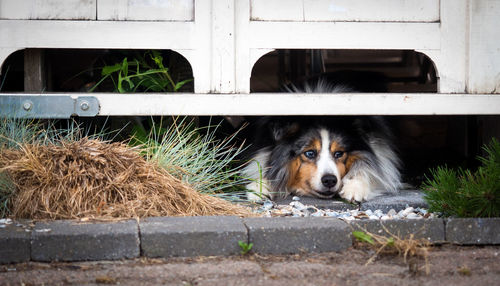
(298, 209)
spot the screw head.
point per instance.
(27, 105)
(84, 106)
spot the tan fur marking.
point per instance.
(350, 160)
(342, 161)
(293, 168)
(342, 168)
(302, 169)
(314, 145)
(334, 146)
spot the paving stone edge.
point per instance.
(219, 235)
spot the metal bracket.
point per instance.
(53, 106)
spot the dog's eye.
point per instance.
(338, 154)
(310, 154)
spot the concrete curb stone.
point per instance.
(14, 244)
(431, 229)
(283, 235)
(202, 236)
(191, 236)
(473, 231)
(67, 240)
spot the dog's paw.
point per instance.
(356, 190)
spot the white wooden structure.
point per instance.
(222, 40)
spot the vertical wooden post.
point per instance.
(34, 70)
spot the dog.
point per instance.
(322, 157)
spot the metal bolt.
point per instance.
(27, 105)
(84, 106)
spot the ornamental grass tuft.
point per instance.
(53, 174)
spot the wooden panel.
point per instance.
(34, 70)
(97, 34)
(484, 51)
(48, 9)
(328, 35)
(145, 10)
(370, 10)
(276, 10)
(346, 10)
(297, 104)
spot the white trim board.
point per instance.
(112, 104)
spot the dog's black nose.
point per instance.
(329, 180)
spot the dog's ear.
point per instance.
(284, 130)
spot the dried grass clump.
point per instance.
(409, 247)
(92, 178)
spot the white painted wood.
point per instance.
(48, 9)
(222, 42)
(201, 50)
(277, 10)
(344, 35)
(372, 11)
(451, 58)
(346, 10)
(484, 51)
(97, 34)
(295, 104)
(4, 54)
(243, 62)
(145, 10)
(223, 46)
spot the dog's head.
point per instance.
(311, 160)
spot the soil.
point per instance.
(448, 265)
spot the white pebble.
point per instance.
(6, 221)
(385, 217)
(295, 198)
(413, 216)
(408, 210)
(422, 211)
(392, 212)
(332, 213)
(318, 214)
(373, 217)
(369, 212)
(267, 205)
(298, 205)
(401, 214)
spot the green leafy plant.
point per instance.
(363, 237)
(144, 73)
(463, 193)
(245, 247)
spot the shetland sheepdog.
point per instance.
(323, 157)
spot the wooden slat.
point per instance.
(35, 78)
(344, 35)
(144, 10)
(295, 104)
(345, 10)
(48, 10)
